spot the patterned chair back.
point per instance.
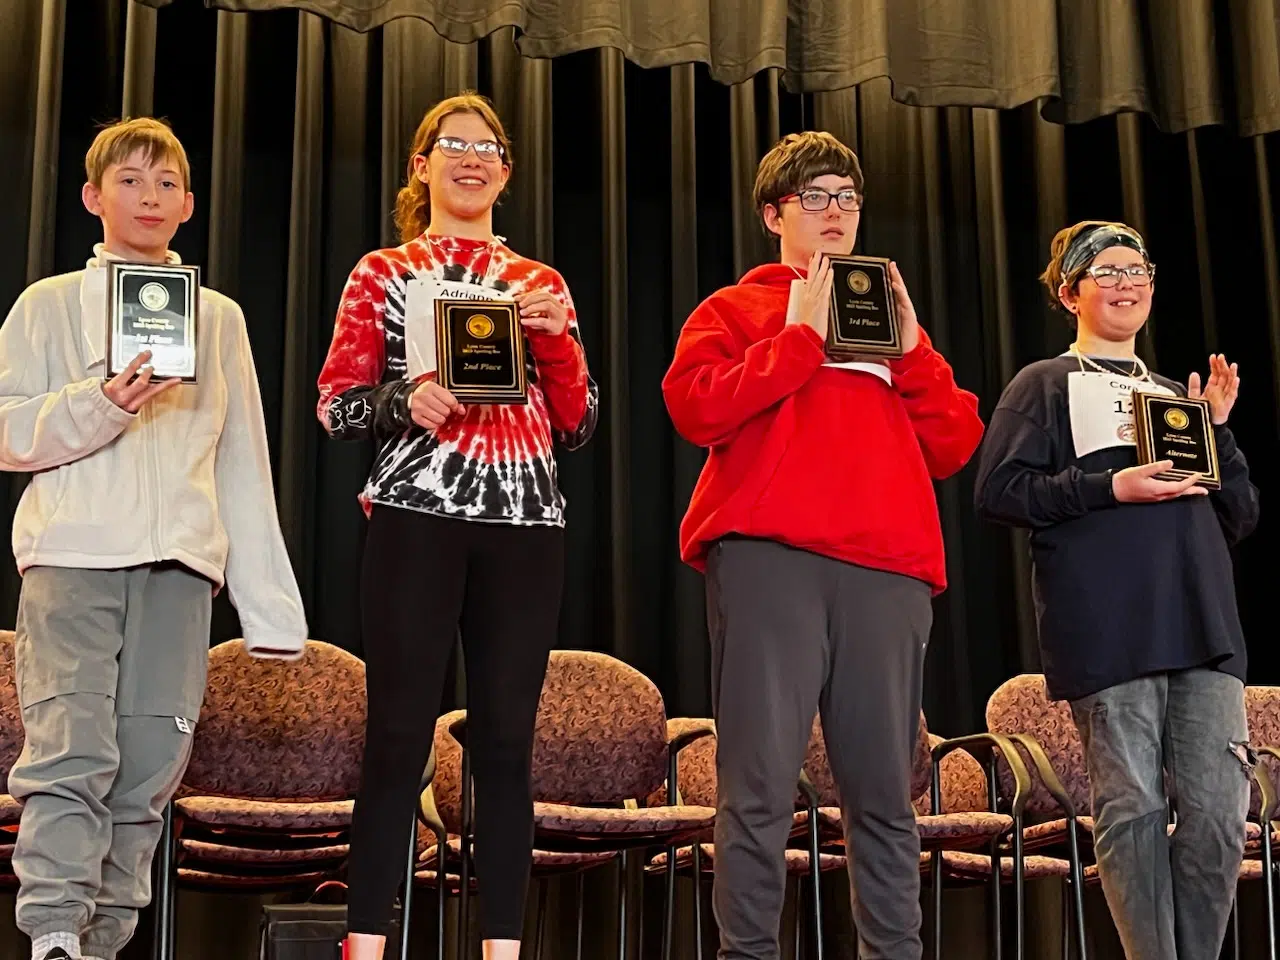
(818, 766)
(963, 787)
(280, 730)
(1021, 705)
(601, 733)
(1262, 708)
(12, 733)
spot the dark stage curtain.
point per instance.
(1187, 62)
(635, 184)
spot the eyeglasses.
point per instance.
(816, 200)
(490, 151)
(1139, 274)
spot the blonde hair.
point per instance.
(118, 141)
(413, 202)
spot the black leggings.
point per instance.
(423, 575)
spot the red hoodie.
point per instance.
(832, 461)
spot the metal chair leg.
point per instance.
(464, 869)
(540, 935)
(697, 901)
(1066, 920)
(1019, 891)
(582, 888)
(1268, 888)
(935, 870)
(798, 923)
(624, 864)
(669, 907)
(815, 874)
(1077, 889)
(411, 867)
(164, 941)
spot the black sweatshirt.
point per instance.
(1121, 590)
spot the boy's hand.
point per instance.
(815, 299)
(130, 394)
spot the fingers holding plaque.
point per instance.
(864, 320)
(153, 306)
(480, 351)
(1177, 429)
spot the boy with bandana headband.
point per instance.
(1134, 597)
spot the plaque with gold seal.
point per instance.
(480, 352)
(153, 306)
(864, 320)
(1177, 429)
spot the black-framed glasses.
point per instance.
(490, 151)
(1108, 275)
(815, 199)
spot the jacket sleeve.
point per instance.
(259, 575)
(573, 399)
(715, 385)
(1016, 484)
(42, 428)
(944, 417)
(354, 402)
(1236, 503)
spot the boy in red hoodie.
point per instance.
(816, 525)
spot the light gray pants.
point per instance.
(111, 668)
(1170, 895)
(792, 634)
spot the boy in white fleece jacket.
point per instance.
(145, 498)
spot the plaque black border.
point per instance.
(517, 393)
(115, 268)
(839, 349)
(1146, 437)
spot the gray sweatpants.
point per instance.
(793, 633)
(1170, 895)
(111, 668)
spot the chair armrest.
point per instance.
(1266, 787)
(458, 730)
(428, 815)
(1040, 760)
(809, 790)
(982, 747)
(698, 729)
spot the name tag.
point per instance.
(1101, 408)
(420, 317)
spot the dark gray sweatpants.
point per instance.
(794, 633)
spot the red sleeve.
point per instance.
(357, 354)
(562, 364)
(945, 418)
(715, 385)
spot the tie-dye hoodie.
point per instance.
(494, 464)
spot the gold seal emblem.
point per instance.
(480, 326)
(153, 296)
(1176, 418)
(859, 282)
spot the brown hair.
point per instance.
(1052, 278)
(413, 202)
(796, 160)
(117, 142)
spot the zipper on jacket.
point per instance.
(153, 465)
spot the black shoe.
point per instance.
(57, 953)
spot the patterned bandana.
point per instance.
(1089, 243)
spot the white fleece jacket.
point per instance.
(186, 479)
